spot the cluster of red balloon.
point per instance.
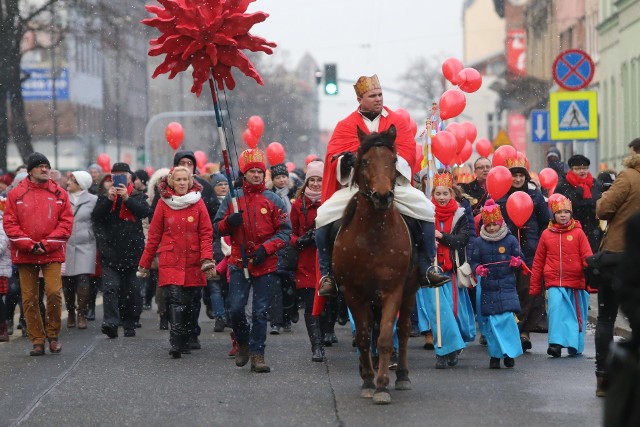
(469, 80)
(174, 133)
(253, 133)
(104, 161)
(454, 145)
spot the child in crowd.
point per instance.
(494, 256)
(559, 260)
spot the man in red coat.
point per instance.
(38, 221)
(371, 116)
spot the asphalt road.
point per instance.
(96, 381)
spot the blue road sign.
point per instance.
(573, 115)
(540, 126)
(39, 85)
(573, 69)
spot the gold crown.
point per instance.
(252, 156)
(520, 161)
(491, 214)
(444, 179)
(365, 84)
(561, 204)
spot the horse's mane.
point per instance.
(385, 139)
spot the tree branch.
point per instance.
(38, 11)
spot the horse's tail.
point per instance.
(350, 211)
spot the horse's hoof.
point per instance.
(403, 385)
(382, 398)
(367, 393)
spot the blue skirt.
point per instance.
(500, 330)
(455, 330)
(565, 328)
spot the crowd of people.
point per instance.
(256, 250)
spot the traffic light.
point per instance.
(331, 79)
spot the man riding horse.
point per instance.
(371, 116)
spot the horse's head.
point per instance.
(375, 170)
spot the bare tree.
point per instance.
(424, 79)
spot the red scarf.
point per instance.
(557, 228)
(585, 183)
(125, 213)
(444, 223)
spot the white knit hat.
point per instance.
(83, 178)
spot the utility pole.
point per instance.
(54, 76)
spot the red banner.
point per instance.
(517, 131)
(516, 52)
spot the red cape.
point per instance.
(345, 138)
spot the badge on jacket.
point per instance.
(263, 211)
(569, 238)
(190, 218)
(502, 249)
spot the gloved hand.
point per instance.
(307, 239)
(235, 219)
(482, 271)
(516, 261)
(212, 274)
(347, 162)
(142, 272)
(206, 265)
(260, 255)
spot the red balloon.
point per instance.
(250, 139)
(484, 147)
(548, 179)
(201, 159)
(519, 208)
(290, 166)
(452, 103)
(461, 136)
(419, 154)
(471, 131)
(275, 153)
(450, 69)
(256, 126)
(104, 161)
(403, 113)
(502, 154)
(499, 182)
(149, 170)
(469, 80)
(443, 145)
(465, 153)
(174, 134)
(413, 127)
(209, 167)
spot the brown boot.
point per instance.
(83, 303)
(242, 355)
(428, 341)
(71, 319)
(600, 386)
(328, 287)
(258, 365)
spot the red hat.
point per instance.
(252, 158)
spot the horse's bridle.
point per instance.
(368, 193)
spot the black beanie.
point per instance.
(120, 167)
(578, 160)
(279, 169)
(36, 159)
(181, 155)
(142, 175)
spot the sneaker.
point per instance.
(275, 330)
(328, 287)
(554, 350)
(509, 362)
(494, 363)
(110, 330)
(219, 324)
(287, 327)
(129, 333)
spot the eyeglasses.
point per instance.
(580, 168)
(483, 167)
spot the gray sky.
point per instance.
(363, 37)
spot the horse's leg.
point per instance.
(390, 305)
(404, 327)
(363, 319)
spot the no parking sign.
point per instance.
(573, 69)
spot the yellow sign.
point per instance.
(573, 115)
(501, 139)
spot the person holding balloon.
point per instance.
(457, 321)
(527, 216)
(559, 261)
(579, 186)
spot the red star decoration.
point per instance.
(209, 35)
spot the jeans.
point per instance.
(217, 300)
(608, 304)
(324, 249)
(239, 288)
(119, 289)
(30, 289)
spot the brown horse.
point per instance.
(372, 263)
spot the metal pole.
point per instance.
(54, 100)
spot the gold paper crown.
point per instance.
(444, 179)
(561, 204)
(491, 214)
(517, 162)
(365, 84)
(253, 158)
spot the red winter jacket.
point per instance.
(265, 223)
(182, 238)
(300, 224)
(38, 213)
(560, 258)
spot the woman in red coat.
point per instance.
(303, 216)
(181, 234)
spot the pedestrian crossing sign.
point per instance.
(573, 115)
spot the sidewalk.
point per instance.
(622, 327)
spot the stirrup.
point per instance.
(433, 278)
(328, 287)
